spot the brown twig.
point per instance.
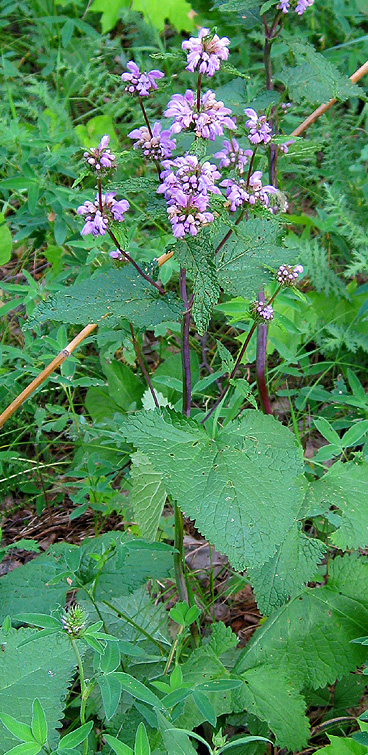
(61, 357)
(323, 108)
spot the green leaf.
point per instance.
(344, 486)
(176, 742)
(29, 585)
(147, 496)
(45, 672)
(315, 78)
(268, 695)
(342, 746)
(247, 10)
(27, 748)
(242, 741)
(197, 256)
(5, 241)
(39, 723)
(324, 427)
(354, 434)
(142, 745)
(248, 261)
(281, 578)
(119, 293)
(227, 359)
(155, 13)
(20, 731)
(39, 620)
(323, 620)
(137, 689)
(111, 658)
(119, 747)
(203, 704)
(110, 689)
(125, 388)
(242, 488)
(77, 736)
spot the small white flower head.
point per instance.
(74, 620)
(261, 312)
(287, 275)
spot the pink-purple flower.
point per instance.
(259, 129)
(98, 216)
(188, 214)
(100, 158)
(206, 52)
(262, 312)
(287, 275)
(140, 83)
(239, 193)
(157, 145)
(208, 122)
(188, 175)
(299, 5)
(233, 155)
(186, 185)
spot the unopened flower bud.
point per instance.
(74, 620)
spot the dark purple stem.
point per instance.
(232, 375)
(149, 131)
(199, 92)
(143, 367)
(185, 353)
(270, 35)
(250, 167)
(261, 363)
(138, 269)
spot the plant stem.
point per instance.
(261, 364)
(142, 366)
(270, 35)
(199, 92)
(138, 269)
(237, 363)
(250, 167)
(179, 556)
(149, 130)
(185, 353)
(83, 687)
(232, 374)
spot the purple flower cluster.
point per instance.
(100, 158)
(299, 5)
(233, 155)
(206, 52)
(155, 145)
(238, 193)
(262, 312)
(140, 83)
(186, 186)
(208, 123)
(98, 218)
(287, 275)
(259, 129)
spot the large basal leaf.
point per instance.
(119, 293)
(42, 669)
(271, 697)
(5, 241)
(197, 256)
(242, 488)
(27, 588)
(281, 578)
(147, 496)
(315, 78)
(309, 639)
(250, 259)
(345, 486)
